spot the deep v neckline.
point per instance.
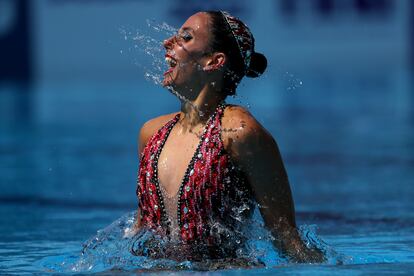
(190, 165)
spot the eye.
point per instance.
(184, 36)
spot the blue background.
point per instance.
(337, 96)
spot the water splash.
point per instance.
(163, 28)
(292, 81)
(241, 100)
(148, 50)
(110, 250)
(309, 235)
(145, 46)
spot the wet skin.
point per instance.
(197, 77)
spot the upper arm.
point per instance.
(145, 134)
(255, 151)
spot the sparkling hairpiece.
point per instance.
(243, 37)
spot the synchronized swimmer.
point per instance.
(204, 168)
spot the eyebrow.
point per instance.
(188, 29)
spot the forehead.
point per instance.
(199, 23)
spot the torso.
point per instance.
(191, 181)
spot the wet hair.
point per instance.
(224, 41)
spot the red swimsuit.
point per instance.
(213, 191)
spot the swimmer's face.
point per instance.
(188, 54)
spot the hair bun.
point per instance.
(258, 64)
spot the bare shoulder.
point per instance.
(151, 126)
(250, 145)
(239, 126)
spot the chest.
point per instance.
(194, 168)
(175, 159)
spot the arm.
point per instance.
(256, 153)
(142, 140)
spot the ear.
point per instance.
(215, 62)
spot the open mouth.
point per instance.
(172, 63)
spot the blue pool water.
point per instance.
(68, 165)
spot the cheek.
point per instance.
(189, 62)
(189, 57)
(189, 66)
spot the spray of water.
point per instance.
(292, 81)
(150, 52)
(110, 249)
(146, 49)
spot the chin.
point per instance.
(166, 82)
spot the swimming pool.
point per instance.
(68, 159)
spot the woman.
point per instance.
(204, 168)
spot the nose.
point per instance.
(169, 42)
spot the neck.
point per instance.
(197, 111)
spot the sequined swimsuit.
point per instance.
(213, 194)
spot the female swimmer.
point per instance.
(203, 169)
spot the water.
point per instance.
(145, 48)
(69, 164)
(110, 249)
(64, 176)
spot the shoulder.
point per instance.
(249, 144)
(151, 126)
(240, 127)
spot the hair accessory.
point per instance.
(243, 37)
